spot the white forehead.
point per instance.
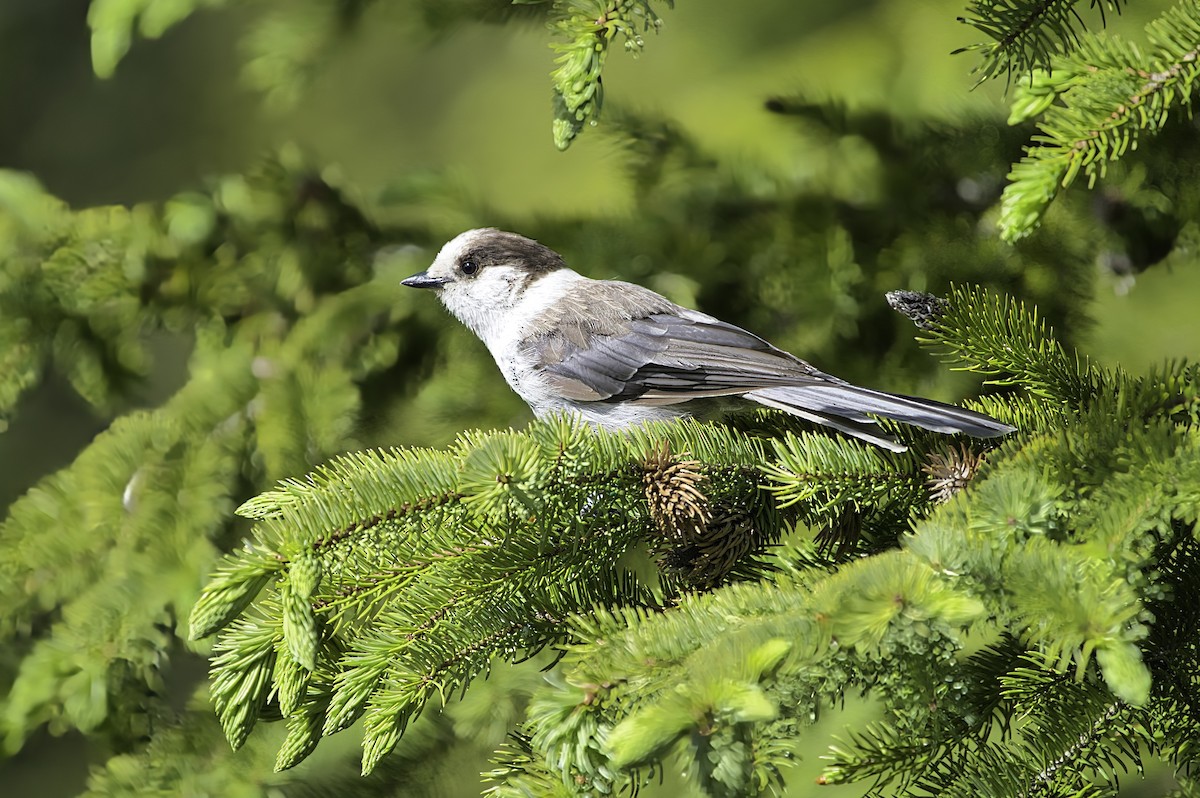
(453, 249)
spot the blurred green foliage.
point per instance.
(775, 164)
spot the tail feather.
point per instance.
(851, 409)
(856, 429)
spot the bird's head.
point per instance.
(481, 274)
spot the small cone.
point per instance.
(676, 503)
(950, 470)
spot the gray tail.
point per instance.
(849, 409)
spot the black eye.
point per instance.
(469, 266)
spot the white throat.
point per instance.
(503, 321)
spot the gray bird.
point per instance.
(618, 354)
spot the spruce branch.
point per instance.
(151, 498)
(877, 752)
(888, 750)
(1026, 34)
(747, 646)
(1094, 105)
(827, 472)
(398, 576)
(1042, 782)
(519, 773)
(996, 336)
(1064, 583)
(590, 27)
(406, 599)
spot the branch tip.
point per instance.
(924, 310)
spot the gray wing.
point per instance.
(632, 345)
(629, 344)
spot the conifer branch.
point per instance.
(1095, 104)
(1012, 346)
(522, 540)
(1070, 602)
(1071, 755)
(590, 28)
(1026, 34)
(416, 568)
(386, 580)
(808, 471)
(152, 496)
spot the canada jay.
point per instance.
(619, 354)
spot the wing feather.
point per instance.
(632, 345)
(628, 344)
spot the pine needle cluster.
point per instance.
(389, 579)
(1095, 104)
(590, 27)
(101, 557)
(1026, 34)
(709, 591)
(395, 578)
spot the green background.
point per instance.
(471, 101)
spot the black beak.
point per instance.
(423, 280)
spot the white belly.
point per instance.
(517, 364)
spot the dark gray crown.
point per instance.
(492, 247)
